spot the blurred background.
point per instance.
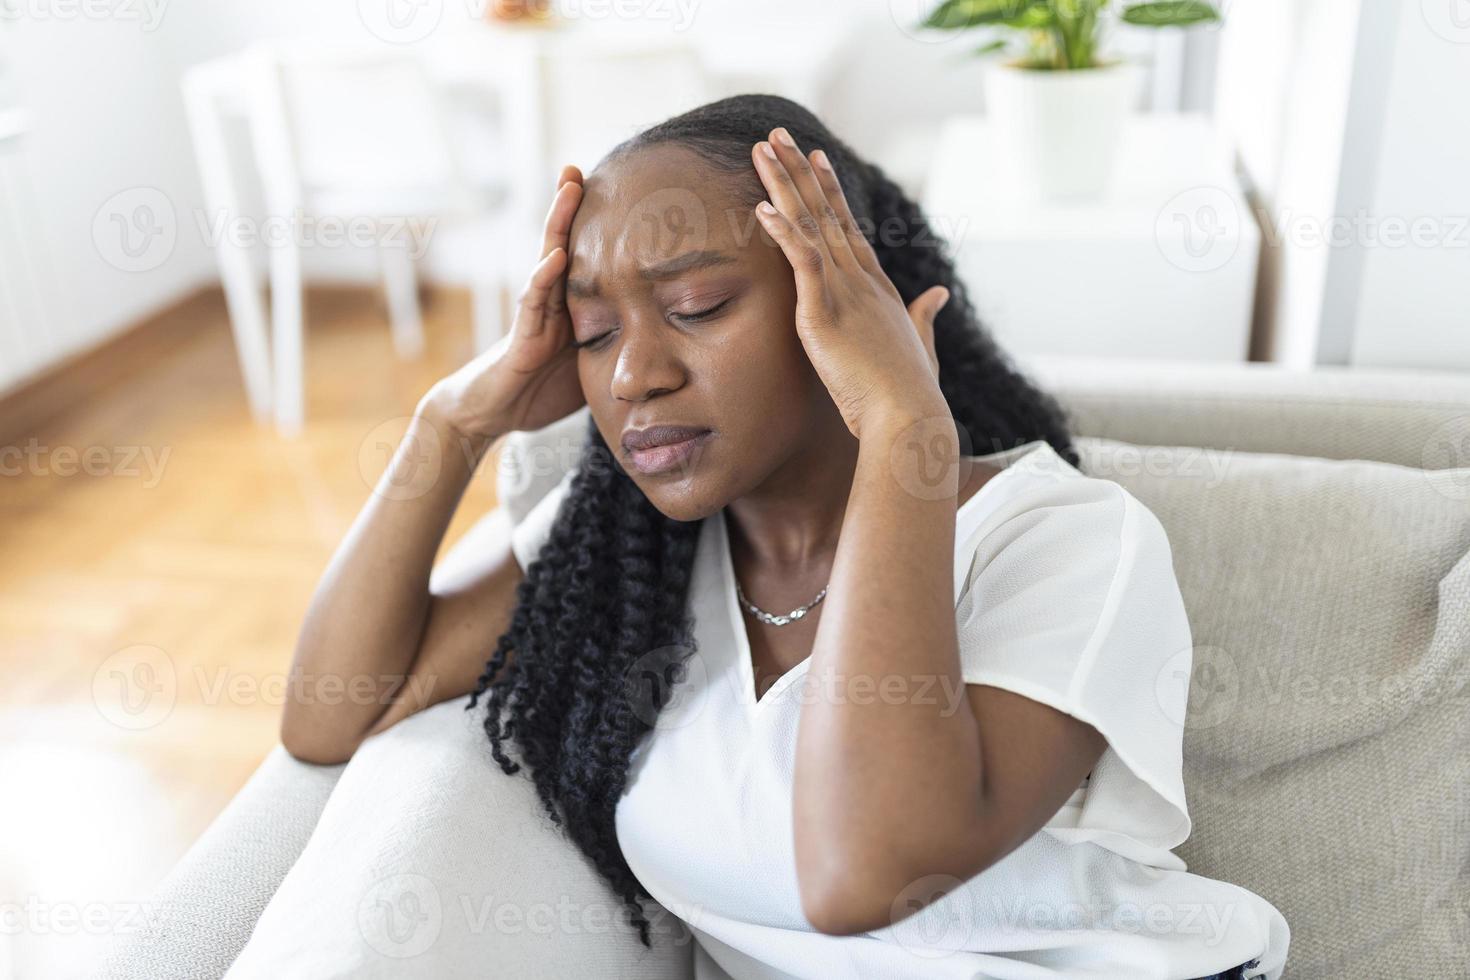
(239, 241)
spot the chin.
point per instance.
(680, 499)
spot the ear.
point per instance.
(922, 312)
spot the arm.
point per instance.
(378, 642)
(891, 789)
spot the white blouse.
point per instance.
(1064, 593)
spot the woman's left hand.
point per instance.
(875, 355)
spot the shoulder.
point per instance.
(1043, 518)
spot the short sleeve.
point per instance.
(1071, 600)
(530, 533)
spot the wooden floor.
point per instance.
(149, 601)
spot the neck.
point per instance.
(791, 523)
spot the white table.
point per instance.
(1164, 266)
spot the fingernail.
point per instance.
(784, 137)
(768, 150)
(765, 207)
(821, 157)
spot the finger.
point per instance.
(780, 184)
(923, 311)
(557, 233)
(861, 248)
(805, 255)
(539, 299)
(814, 195)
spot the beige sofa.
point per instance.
(1320, 524)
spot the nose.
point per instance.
(646, 364)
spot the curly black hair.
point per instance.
(602, 609)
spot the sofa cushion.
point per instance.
(1327, 739)
(429, 862)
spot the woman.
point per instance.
(723, 644)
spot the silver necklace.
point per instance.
(771, 619)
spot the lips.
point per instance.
(659, 435)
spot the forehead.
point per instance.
(648, 209)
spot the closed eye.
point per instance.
(703, 314)
(695, 317)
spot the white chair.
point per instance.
(356, 133)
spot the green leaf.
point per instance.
(955, 15)
(1037, 18)
(1170, 13)
(997, 45)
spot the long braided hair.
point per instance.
(603, 606)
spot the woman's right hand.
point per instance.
(529, 378)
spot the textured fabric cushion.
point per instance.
(1327, 742)
(202, 913)
(1414, 418)
(429, 862)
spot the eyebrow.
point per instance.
(676, 266)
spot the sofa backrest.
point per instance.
(1327, 739)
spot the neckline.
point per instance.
(754, 703)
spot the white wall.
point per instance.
(1350, 127)
(105, 120)
(1413, 301)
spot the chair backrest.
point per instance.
(346, 118)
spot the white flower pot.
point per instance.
(1059, 129)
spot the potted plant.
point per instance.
(1061, 105)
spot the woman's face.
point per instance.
(684, 311)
